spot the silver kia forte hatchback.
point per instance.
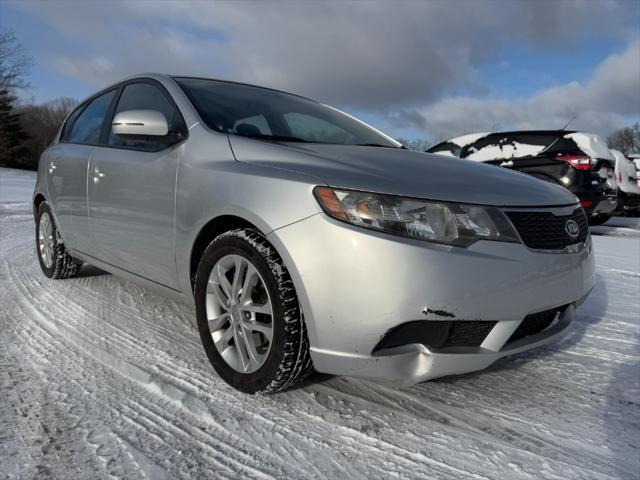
(305, 238)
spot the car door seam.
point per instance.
(175, 212)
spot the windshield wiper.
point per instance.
(379, 145)
(276, 138)
(286, 138)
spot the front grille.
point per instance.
(468, 333)
(546, 231)
(534, 323)
(437, 333)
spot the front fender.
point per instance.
(211, 183)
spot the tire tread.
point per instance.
(64, 265)
(296, 363)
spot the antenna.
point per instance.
(556, 140)
(569, 122)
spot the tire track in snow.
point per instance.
(143, 377)
(24, 283)
(140, 376)
(499, 437)
(135, 374)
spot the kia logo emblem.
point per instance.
(572, 228)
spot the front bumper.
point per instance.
(414, 363)
(355, 285)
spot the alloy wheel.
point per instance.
(45, 239)
(239, 313)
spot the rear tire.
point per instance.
(599, 219)
(284, 358)
(55, 261)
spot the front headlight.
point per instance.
(440, 222)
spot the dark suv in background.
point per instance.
(579, 161)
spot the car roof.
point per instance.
(177, 77)
(166, 77)
(534, 132)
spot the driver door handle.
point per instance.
(97, 175)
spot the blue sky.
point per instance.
(430, 69)
(521, 71)
(36, 34)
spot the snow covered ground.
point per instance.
(100, 378)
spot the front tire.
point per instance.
(55, 261)
(249, 318)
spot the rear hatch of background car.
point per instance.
(549, 155)
(596, 148)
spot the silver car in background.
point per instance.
(305, 238)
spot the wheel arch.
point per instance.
(208, 232)
(37, 201)
(226, 222)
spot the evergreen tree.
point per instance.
(15, 64)
(13, 138)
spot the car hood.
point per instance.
(403, 172)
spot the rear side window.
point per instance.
(85, 125)
(145, 96)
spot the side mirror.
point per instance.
(140, 122)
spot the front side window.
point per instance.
(144, 96)
(282, 116)
(314, 129)
(251, 125)
(86, 126)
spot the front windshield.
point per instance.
(249, 111)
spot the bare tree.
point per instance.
(417, 145)
(15, 63)
(41, 122)
(626, 139)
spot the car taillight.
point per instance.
(586, 203)
(579, 162)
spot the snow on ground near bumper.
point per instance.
(16, 185)
(100, 377)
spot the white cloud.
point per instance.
(397, 59)
(93, 69)
(601, 104)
